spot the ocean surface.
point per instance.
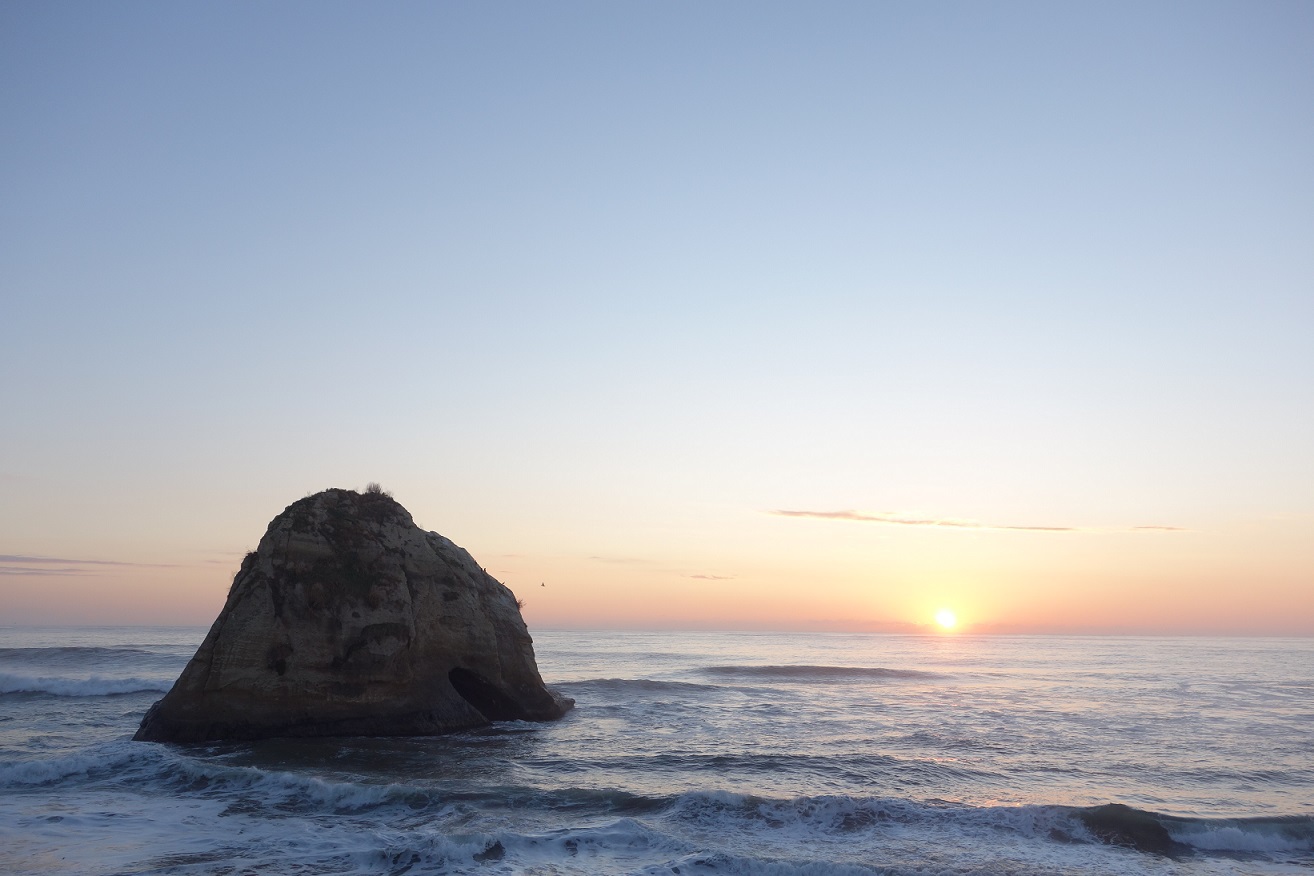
(696, 753)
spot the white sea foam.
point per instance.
(736, 865)
(838, 814)
(95, 686)
(289, 791)
(131, 762)
(115, 757)
(1241, 836)
(42, 772)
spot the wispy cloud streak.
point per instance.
(15, 558)
(18, 564)
(894, 519)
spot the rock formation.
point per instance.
(349, 620)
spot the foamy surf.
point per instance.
(1283, 835)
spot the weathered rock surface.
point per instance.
(349, 620)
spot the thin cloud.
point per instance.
(624, 561)
(893, 519)
(15, 558)
(14, 564)
(711, 577)
(45, 572)
(904, 520)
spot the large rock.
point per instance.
(349, 620)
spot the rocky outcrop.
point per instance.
(349, 620)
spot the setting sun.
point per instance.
(946, 619)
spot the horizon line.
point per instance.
(919, 631)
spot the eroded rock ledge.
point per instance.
(349, 620)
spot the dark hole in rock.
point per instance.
(483, 695)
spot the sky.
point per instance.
(728, 316)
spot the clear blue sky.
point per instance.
(595, 288)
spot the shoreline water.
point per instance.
(696, 752)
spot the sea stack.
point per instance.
(349, 620)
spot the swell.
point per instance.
(1173, 835)
(93, 686)
(90, 659)
(819, 673)
(1112, 824)
(63, 651)
(856, 770)
(633, 685)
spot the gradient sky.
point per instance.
(807, 315)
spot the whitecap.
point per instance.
(94, 686)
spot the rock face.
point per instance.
(349, 620)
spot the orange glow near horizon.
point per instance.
(761, 573)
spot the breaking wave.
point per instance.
(1283, 834)
(664, 827)
(827, 815)
(95, 686)
(1112, 824)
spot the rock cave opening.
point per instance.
(485, 696)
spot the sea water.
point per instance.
(695, 753)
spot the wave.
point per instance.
(608, 847)
(70, 660)
(841, 817)
(1280, 834)
(175, 771)
(1113, 824)
(1171, 835)
(95, 686)
(113, 759)
(856, 770)
(95, 651)
(827, 819)
(641, 685)
(819, 673)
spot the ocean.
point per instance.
(695, 753)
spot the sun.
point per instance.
(946, 619)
